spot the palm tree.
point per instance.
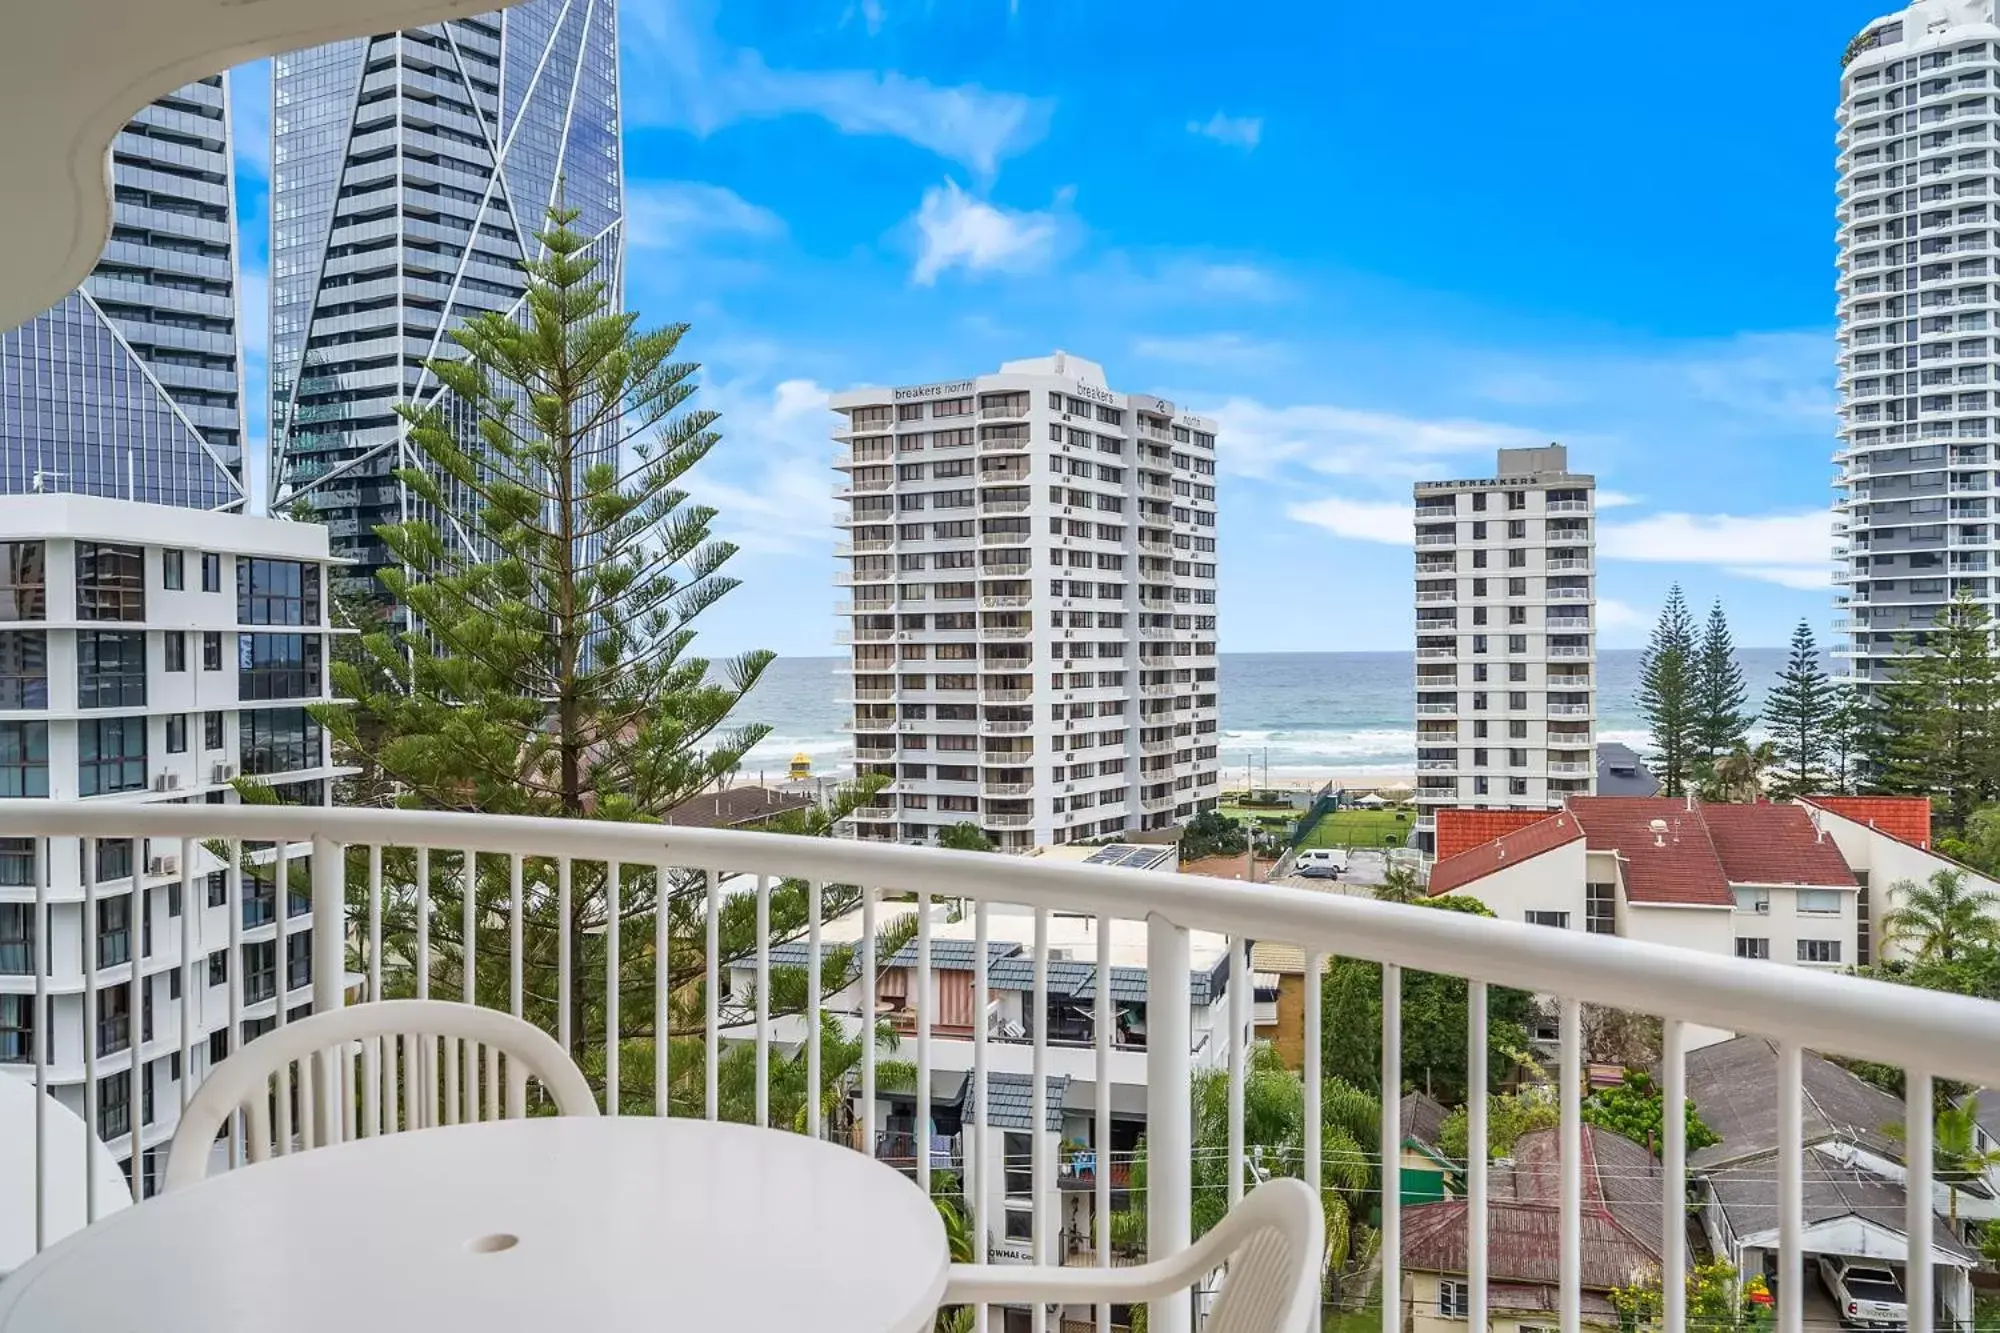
(1957, 1160)
(1399, 885)
(1739, 775)
(1940, 920)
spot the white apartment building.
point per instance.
(1032, 559)
(1919, 129)
(149, 653)
(1506, 639)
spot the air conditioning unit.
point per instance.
(173, 781)
(159, 782)
(164, 865)
(223, 773)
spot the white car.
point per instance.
(1321, 863)
(1869, 1295)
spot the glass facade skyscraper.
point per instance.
(411, 175)
(131, 386)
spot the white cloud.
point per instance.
(1778, 377)
(1246, 282)
(1792, 550)
(956, 230)
(679, 76)
(1209, 349)
(770, 478)
(1346, 441)
(1614, 614)
(676, 215)
(1236, 131)
(1360, 520)
(1615, 499)
(1806, 577)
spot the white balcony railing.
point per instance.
(390, 915)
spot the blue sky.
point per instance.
(1376, 249)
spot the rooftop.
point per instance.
(736, 807)
(1733, 1085)
(1906, 818)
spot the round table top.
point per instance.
(540, 1224)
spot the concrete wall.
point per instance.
(1551, 882)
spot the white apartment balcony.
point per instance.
(990, 727)
(1006, 821)
(1010, 758)
(1570, 710)
(1425, 539)
(1003, 506)
(1005, 538)
(1568, 507)
(1570, 770)
(1002, 603)
(1437, 710)
(1569, 651)
(874, 752)
(1008, 788)
(1437, 654)
(1569, 594)
(997, 695)
(1437, 765)
(1436, 598)
(1569, 682)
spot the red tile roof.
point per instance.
(1905, 817)
(1461, 830)
(1674, 865)
(1774, 844)
(1547, 833)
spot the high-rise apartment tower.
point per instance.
(412, 174)
(1919, 165)
(1032, 559)
(131, 386)
(1506, 647)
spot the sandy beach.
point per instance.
(1348, 781)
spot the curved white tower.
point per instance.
(1919, 164)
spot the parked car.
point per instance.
(1320, 863)
(1869, 1295)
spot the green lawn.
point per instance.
(1361, 828)
(1336, 1319)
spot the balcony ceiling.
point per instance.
(73, 71)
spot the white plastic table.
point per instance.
(675, 1226)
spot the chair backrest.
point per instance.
(1276, 1242)
(379, 1068)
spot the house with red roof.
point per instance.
(1805, 883)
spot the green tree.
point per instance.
(1508, 1116)
(1637, 1110)
(1211, 833)
(1957, 1160)
(1668, 698)
(554, 581)
(1846, 717)
(1400, 885)
(1958, 684)
(1800, 711)
(1890, 721)
(1715, 1300)
(1942, 919)
(1739, 775)
(1719, 691)
(1979, 843)
(1435, 1009)
(965, 836)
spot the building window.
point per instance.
(110, 582)
(218, 887)
(260, 971)
(1560, 920)
(17, 931)
(218, 968)
(171, 563)
(1753, 948)
(276, 592)
(110, 669)
(114, 930)
(211, 731)
(1818, 902)
(176, 646)
(114, 1105)
(278, 740)
(1454, 1299)
(211, 651)
(114, 1019)
(177, 733)
(1819, 951)
(17, 1029)
(24, 593)
(1600, 909)
(1864, 945)
(277, 666)
(1517, 786)
(111, 755)
(211, 572)
(24, 669)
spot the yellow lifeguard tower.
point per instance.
(802, 767)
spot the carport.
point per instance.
(1847, 1211)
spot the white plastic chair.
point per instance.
(1272, 1247)
(419, 1066)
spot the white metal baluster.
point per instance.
(868, 1020)
(1169, 1124)
(977, 1178)
(376, 1072)
(1570, 1297)
(281, 905)
(712, 1027)
(515, 984)
(468, 1057)
(764, 1000)
(1315, 1150)
(328, 882)
(188, 952)
(90, 1098)
(233, 911)
(1920, 1204)
(1475, 1153)
(1392, 1148)
(813, 896)
(139, 917)
(1106, 1025)
(1038, 1119)
(921, 993)
(614, 875)
(662, 990)
(1673, 1188)
(563, 978)
(1791, 1187)
(424, 928)
(1239, 1019)
(43, 957)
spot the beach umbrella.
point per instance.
(1372, 801)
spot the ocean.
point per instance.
(1302, 714)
